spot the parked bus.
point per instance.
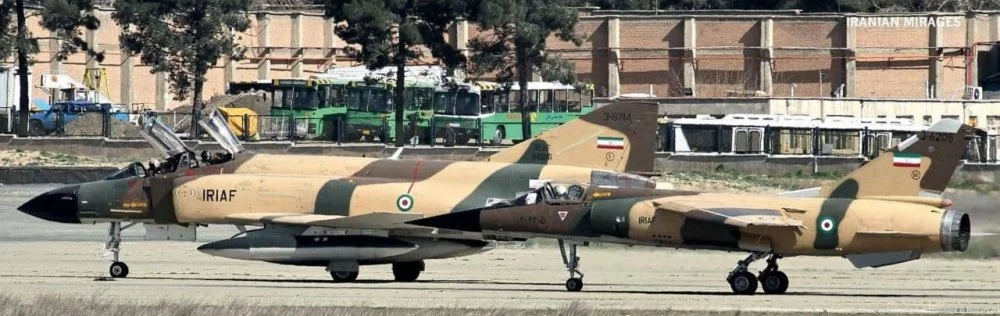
(784, 135)
(371, 113)
(497, 115)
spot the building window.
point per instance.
(992, 120)
(927, 120)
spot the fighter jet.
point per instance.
(886, 212)
(342, 212)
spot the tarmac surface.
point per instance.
(41, 258)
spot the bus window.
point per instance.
(425, 95)
(560, 101)
(323, 94)
(467, 104)
(870, 149)
(279, 95)
(357, 99)
(574, 101)
(883, 141)
(535, 100)
(444, 103)
(512, 101)
(380, 101)
(741, 143)
(486, 102)
(755, 136)
(418, 99)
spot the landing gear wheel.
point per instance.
(774, 282)
(118, 270)
(743, 283)
(741, 280)
(407, 271)
(344, 276)
(574, 284)
(113, 246)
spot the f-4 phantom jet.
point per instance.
(888, 211)
(342, 212)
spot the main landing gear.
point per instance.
(773, 281)
(574, 284)
(113, 247)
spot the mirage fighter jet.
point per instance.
(888, 211)
(342, 212)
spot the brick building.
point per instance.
(707, 54)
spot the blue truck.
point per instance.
(64, 112)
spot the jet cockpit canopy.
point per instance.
(216, 125)
(162, 137)
(551, 192)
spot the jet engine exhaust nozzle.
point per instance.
(956, 230)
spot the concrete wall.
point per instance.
(714, 53)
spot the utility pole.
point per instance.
(22, 71)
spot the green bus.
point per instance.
(316, 104)
(370, 111)
(497, 115)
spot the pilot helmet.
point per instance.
(561, 190)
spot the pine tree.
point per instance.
(516, 44)
(394, 32)
(183, 38)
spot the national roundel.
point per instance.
(404, 202)
(827, 225)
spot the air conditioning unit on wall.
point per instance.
(973, 93)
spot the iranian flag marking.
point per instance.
(901, 159)
(610, 142)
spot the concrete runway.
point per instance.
(44, 258)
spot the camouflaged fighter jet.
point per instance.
(342, 212)
(888, 211)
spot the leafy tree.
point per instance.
(516, 44)
(393, 32)
(183, 38)
(65, 17)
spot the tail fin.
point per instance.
(922, 165)
(616, 137)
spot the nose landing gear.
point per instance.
(572, 262)
(112, 247)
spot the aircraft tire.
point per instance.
(744, 283)
(344, 276)
(574, 284)
(407, 271)
(118, 270)
(775, 282)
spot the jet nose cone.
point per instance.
(59, 205)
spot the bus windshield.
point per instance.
(295, 98)
(369, 99)
(467, 104)
(456, 103)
